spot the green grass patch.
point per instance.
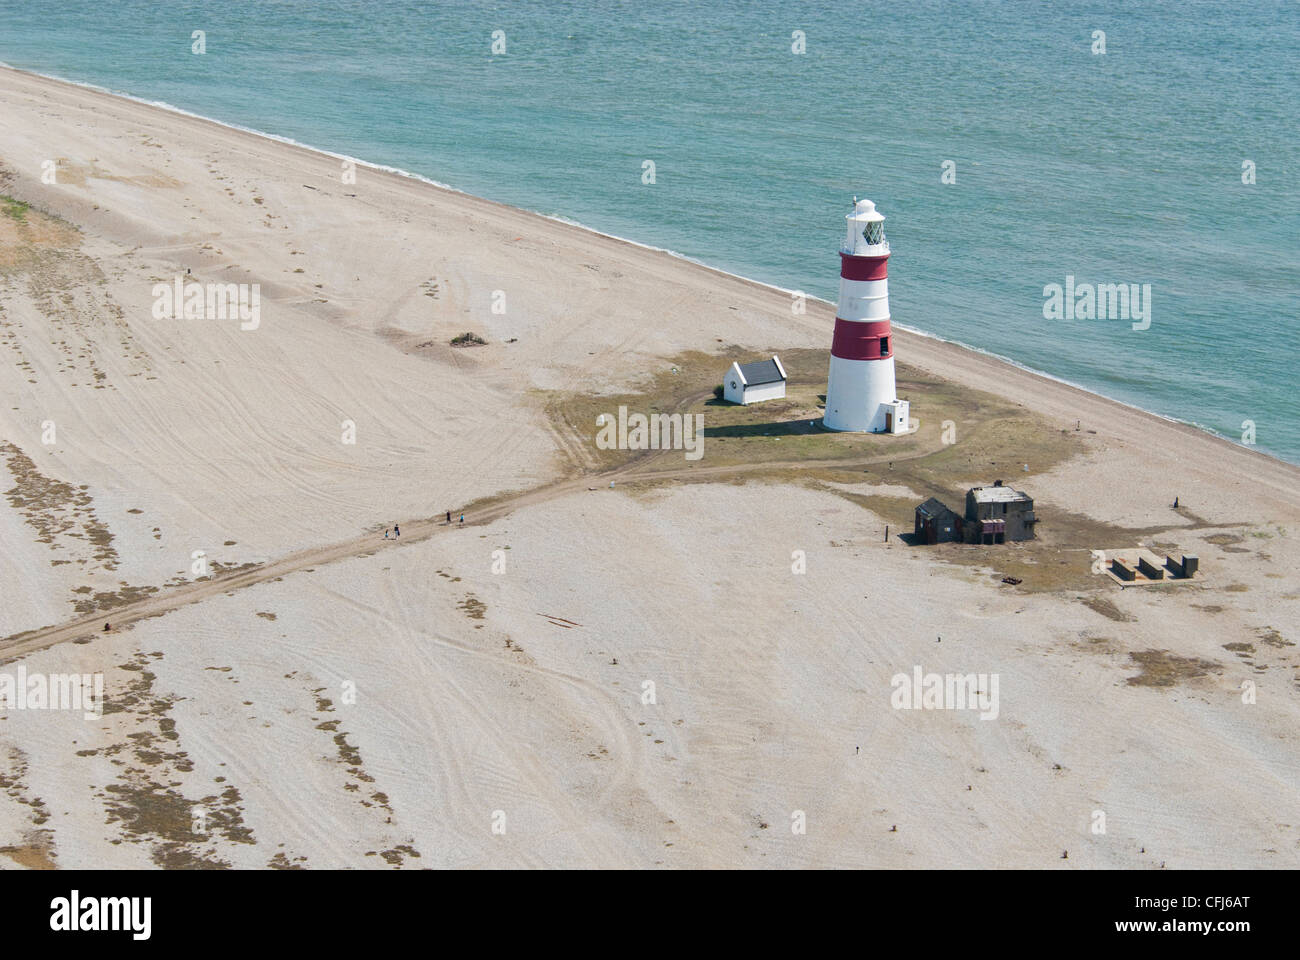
(14, 209)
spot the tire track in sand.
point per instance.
(416, 531)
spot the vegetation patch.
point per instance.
(1107, 609)
(14, 209)
(1160, 668)
(37, 850)
(147, 802)
(1272, 638)
(474, 608)
(56, 510)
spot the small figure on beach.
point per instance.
(462, 519)
(397, 531)
(106, 627)
(1175, 503)
(385, 533)
(449, 516)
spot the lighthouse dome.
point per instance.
(864, 211)
(866, 231)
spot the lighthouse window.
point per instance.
(884, 346)
(874, 232)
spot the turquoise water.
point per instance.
(1117, 168)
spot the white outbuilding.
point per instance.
(754, 382)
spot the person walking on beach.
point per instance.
(397, 531)
(385, 533)
(449, 516)
(462, 519)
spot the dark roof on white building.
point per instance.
(761, 372)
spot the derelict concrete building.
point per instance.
(998, 514)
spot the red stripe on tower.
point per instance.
(861, 340)
(863, 268)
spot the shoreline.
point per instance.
(412, 177)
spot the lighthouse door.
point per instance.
(889, 421)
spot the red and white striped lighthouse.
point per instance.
(861, 394)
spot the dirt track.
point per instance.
(416, 531)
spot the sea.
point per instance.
(1013, 145)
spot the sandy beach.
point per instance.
(613, 662)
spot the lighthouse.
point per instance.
(860, 395)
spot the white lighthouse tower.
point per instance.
(861, 394)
